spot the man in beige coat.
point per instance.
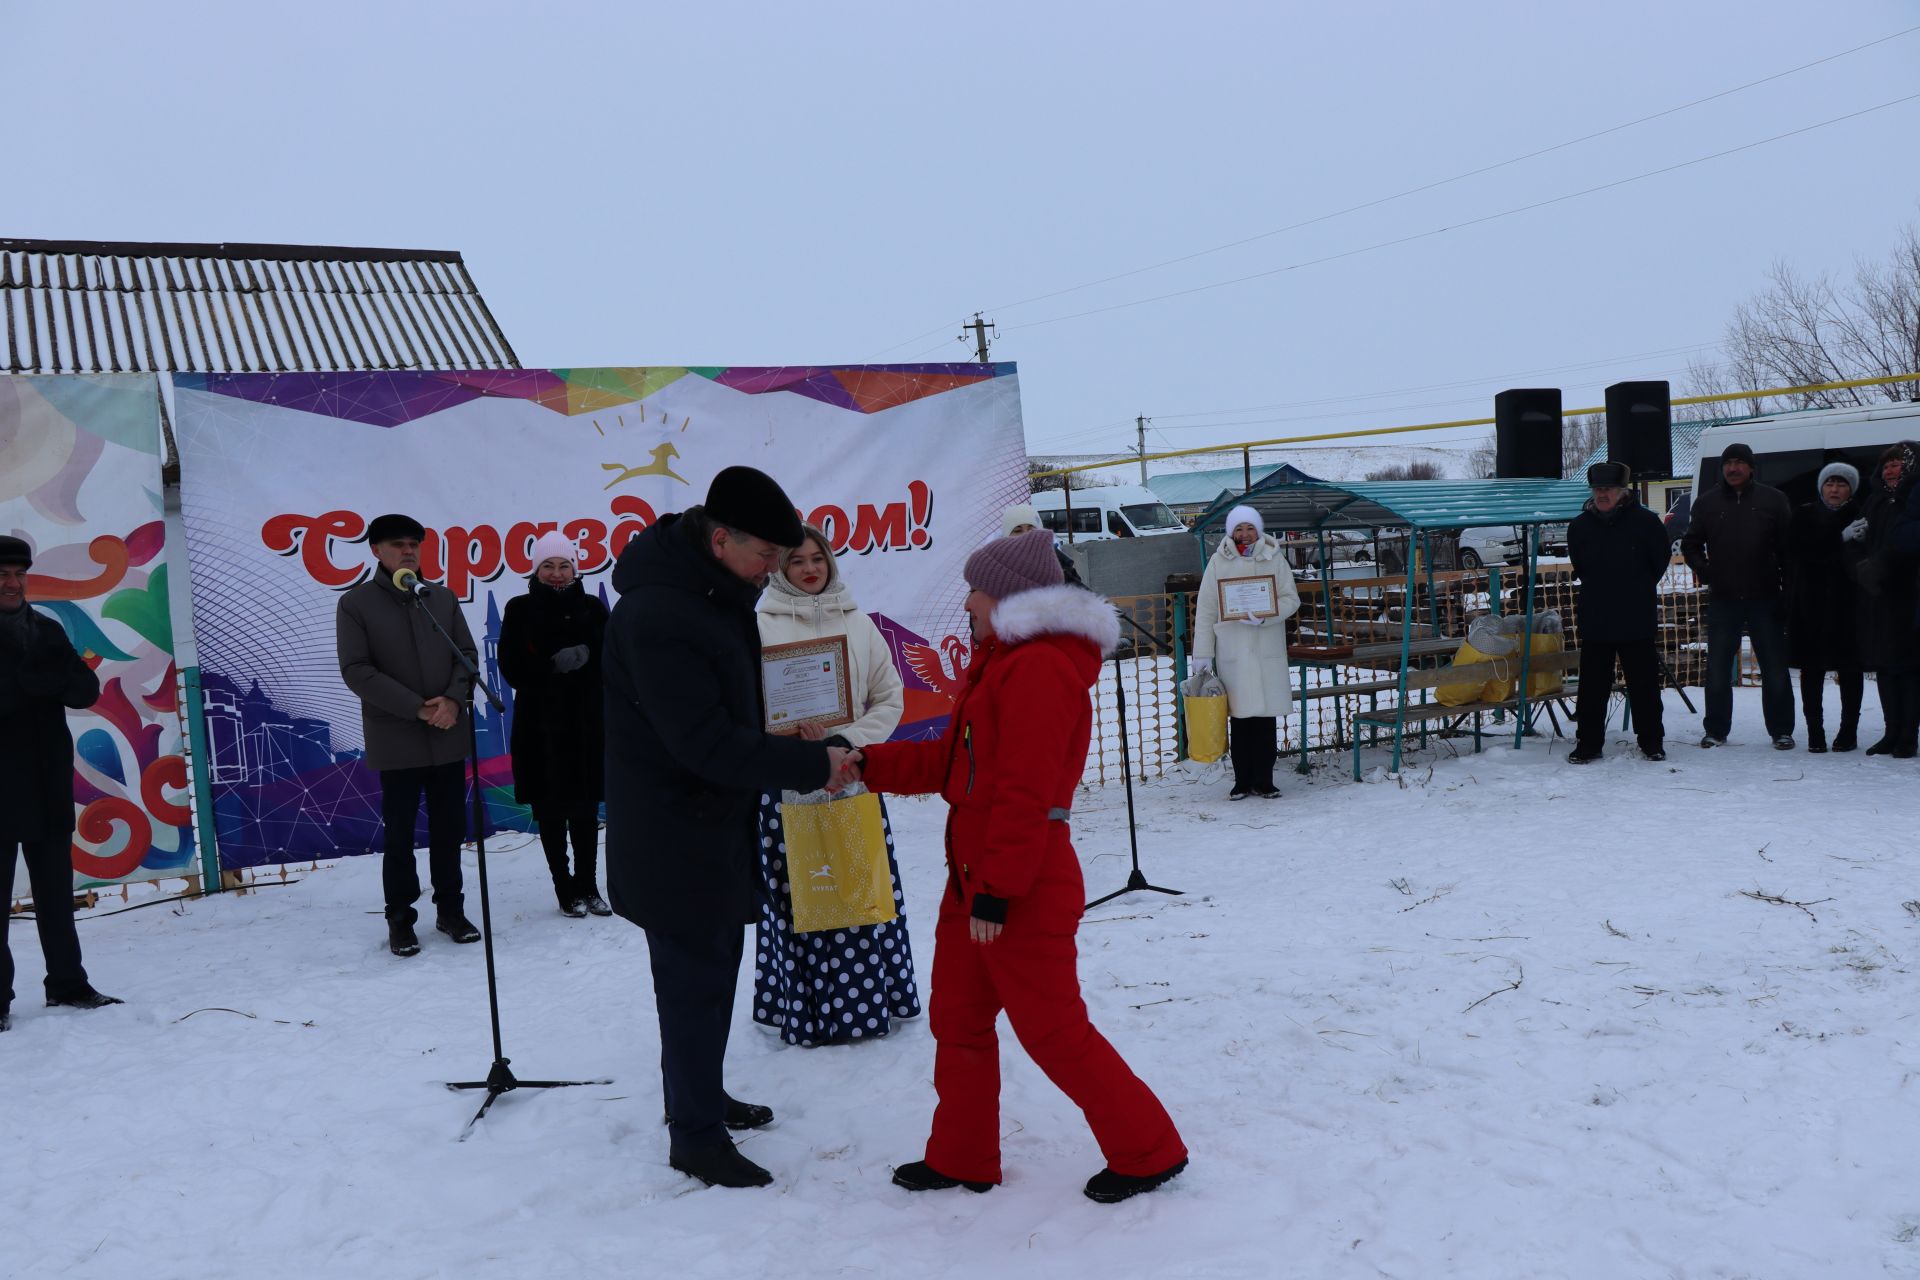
(413, 695)
(1248, 653)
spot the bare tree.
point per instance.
(1799, 330)
(1579, 438)
(1419, 470)
(1483, 460)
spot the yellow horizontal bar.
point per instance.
(1134, 458)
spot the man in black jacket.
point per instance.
(687, 758)
(1737, 546)
(1619, 551)
(40, 677)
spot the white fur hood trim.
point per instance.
(1062, 610)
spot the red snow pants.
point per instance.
(1030, 972)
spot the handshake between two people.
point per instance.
(847, 761)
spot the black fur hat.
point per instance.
(387, 528)
(15, 552)
(753, 502)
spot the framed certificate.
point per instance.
(806, 682)
(1242, 598)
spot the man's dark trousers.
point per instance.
(1726, 620)
(445, 787)
(50, 873)
(1640, 664)
(694, 976)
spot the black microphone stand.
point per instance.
(500, 1078)
(1137, 881)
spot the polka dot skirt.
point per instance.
(827, 988)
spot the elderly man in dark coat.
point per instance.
(40, 677)
(687, 758)
(1737, 547)
(1619, 551)
(1888, 602)
(413, 694)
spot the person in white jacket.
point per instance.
(1249, 654)
(849, 984)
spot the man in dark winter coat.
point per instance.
(1620, 552)
(413, 695)
(1822, 612)
(1889, 598)
(1737, 547)
(1900, 576)
(688, 757)
(40, 677)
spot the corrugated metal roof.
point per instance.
(79, 306)
(1197, 488)
(1406, 504)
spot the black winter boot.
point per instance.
(6, 1017)
(590, 899)
(401, 939)
(1817, 739)
(921, 1176)
(458, 927)
(84, 997)
(1109, 1187)
(567, 894)
(720, 1166)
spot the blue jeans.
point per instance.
(1760, 619)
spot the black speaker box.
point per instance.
(1640, 428)
(1526, 433)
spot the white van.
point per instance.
(1109, 511)
(1790, 448)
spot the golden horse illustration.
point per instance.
(658, 467)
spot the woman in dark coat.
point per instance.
(1822, 632)
(1888, 644)
(550, 643)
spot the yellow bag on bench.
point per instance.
(1540, 684)
(1458, 695)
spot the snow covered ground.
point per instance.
(1501, 1017)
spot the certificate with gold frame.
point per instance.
(806, 682)
(1242, 599)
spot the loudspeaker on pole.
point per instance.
(1640, 428)
(1526, 430)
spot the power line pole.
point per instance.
(1140, 425)
(980, 328)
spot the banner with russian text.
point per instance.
(80, 482)
(906, 467)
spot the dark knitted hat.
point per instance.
(387, 528)
(753, 502)
(1737, 452)
(15, 552)
(1007, 566)
(1609, 475)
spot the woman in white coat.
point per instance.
(1248, 654)
(830, 988)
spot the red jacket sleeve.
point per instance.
(907, 768)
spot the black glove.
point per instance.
(838, 740)
(571, 658)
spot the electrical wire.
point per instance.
(1424, 187)
(1470, 222)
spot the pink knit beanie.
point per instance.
(1007, 566)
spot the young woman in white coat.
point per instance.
(848, 984)
(1249, 655)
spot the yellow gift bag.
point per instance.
(837, 872)
(1458, 695)
(1206, 718)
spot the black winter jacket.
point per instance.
(40, 677)
(1619, 557)
(557, 717)
(687, 754)
(1736, 541)
(1887, 596)
(1822, 605)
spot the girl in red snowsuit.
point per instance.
(1008, 766)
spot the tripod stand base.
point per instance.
(1136, 883)
(501, 1080)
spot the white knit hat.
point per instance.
(553, 546)
(1844, 471)
(1244, 514)
(1015, 516)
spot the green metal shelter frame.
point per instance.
(1420, 507)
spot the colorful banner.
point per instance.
(80, 481)
(906, 467)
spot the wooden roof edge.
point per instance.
(272, 252)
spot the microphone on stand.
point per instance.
(407, 582)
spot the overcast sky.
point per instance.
(714, 183)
